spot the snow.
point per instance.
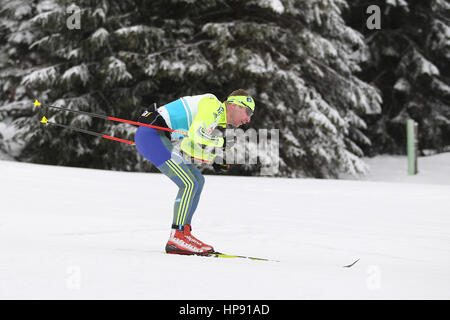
(80, 71)
(425, 66)
(395, 3)
(47, 5)
(441, 87)
(71, 233)
(47, 75)
(222, 29)
(100, 35)
(256, 65)
(74, 54)
(100, 13)
(402, 85)
(13, 147)
(24, 36)
(133, 29)
(117, 70)
(198, 68)
(275, 5)
(432, 169)
(441, 3)
(22, 10)
(44, 17)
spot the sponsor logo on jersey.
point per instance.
(214, 124)
(145, 114)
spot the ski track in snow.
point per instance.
(71, 233)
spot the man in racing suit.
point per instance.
(197, 116)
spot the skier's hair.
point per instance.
(239, 92)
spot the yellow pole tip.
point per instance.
(44, 120)
(36, 103)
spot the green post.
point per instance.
(412, 143)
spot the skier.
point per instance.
(198, 116)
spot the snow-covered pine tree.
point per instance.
(76, 69)
(298, 59)
(409, 61)
(15, 37)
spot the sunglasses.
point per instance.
(249, 111)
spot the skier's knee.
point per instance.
(201, 181)
(198, 185)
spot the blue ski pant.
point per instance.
(155, 146)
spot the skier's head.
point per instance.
(240, 107)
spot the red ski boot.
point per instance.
(180, 244)
(188, 235)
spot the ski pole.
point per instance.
(37, 103)
(92, 133)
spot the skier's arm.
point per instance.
(199, 135)
(206, 120)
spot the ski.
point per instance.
(223, 255)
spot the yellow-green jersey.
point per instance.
(199, 116)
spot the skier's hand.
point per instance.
(219, 165)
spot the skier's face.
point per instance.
(238, 115)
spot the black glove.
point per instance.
(219, 165)
(228, 143)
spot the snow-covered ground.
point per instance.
(70, 233)
(432, 169)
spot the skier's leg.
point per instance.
(156, 147)
(200, 181)
(187, 226)
(189, 186)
